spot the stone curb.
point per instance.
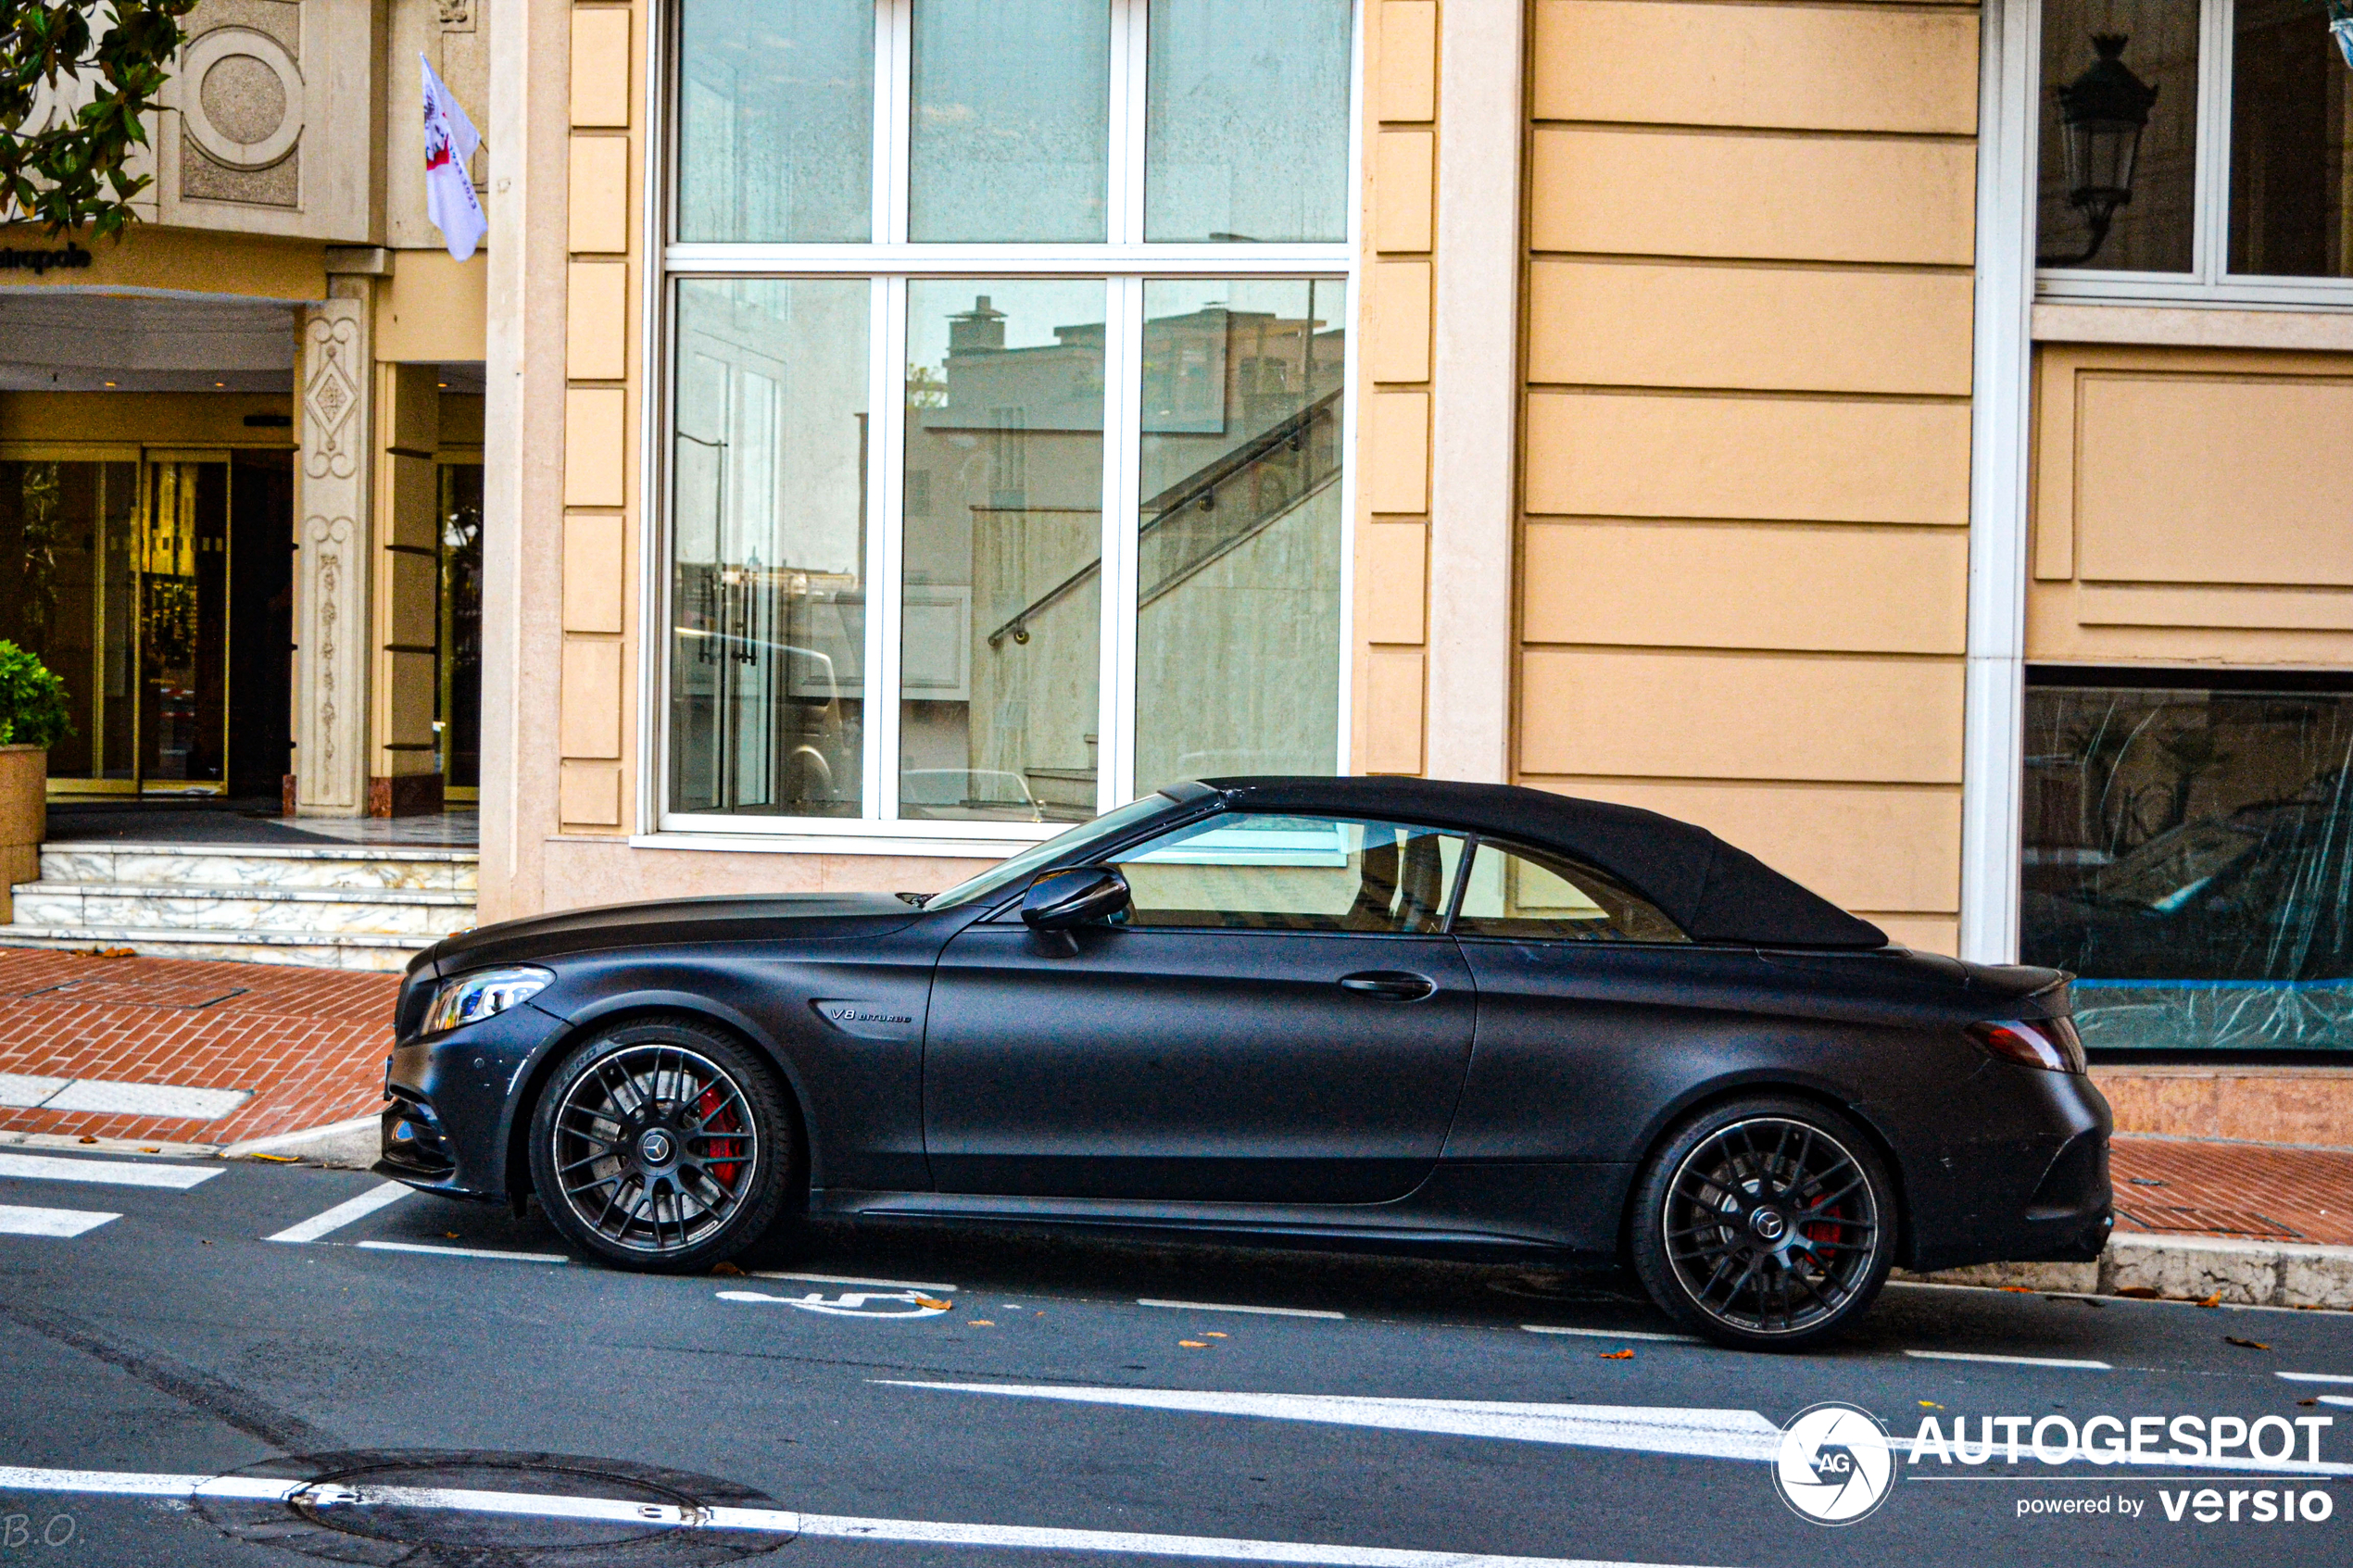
(353, 1146)
(2184, 1268)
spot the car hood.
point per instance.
(772, 917)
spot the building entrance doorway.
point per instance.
(157, 585)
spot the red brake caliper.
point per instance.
(720, 1149)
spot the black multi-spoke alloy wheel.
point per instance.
(1766, 1223)
(661, 1145)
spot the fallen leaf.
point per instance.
(89, 1140)
(1213, 1334)
(1930, 1405)
(2020, 1289)
(2138, 1293)
(281, 1159)
(980, 1322)
(2213, 1300)
(2308, 1401)
(1618, 1355)
(158, 1149)
(2244, 1343)
(207, 1244)
(453, 1235)
(920, 1301)
(728, 1268)
(1194, 1344)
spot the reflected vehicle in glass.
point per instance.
(1383, 1013)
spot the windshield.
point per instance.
(1005, 873)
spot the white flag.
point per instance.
(451, 141)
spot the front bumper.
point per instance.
(453, 1097)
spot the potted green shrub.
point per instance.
(33, 717)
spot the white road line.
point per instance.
(49, 1221)
(846, 1279)
(1663, 1429)
(776, 1521)
(1225, 1307)
(462, 1251)
(1611, 1333)
(2117, 1300)
(343, 1213)
(2009, 1361)
(113, 1173)
(2315, 1376)
(2339, 1399)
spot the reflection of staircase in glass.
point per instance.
(1215, 509)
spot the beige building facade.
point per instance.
(907, 426)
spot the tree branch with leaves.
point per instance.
(75, 170)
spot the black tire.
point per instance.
(661, 1145)
(1765, 1223)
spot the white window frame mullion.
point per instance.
(2210, 204)
(894, 95)
(885, 485)
(1123, 444)
(1125, 189)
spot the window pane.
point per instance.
(1528, 895)
(1238, 545)
(1010, 139)
(1001, 644)
(1294, 873)
(2290, 128)
(768, 606)
(2151, 232)
(776, 121)
(1248, 120)
(2186, 854)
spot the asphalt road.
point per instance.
(995, 1400)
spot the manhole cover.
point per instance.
(2213, 1221)
(428, 1509)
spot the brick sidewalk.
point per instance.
(2265, 1192)
(308, 1044)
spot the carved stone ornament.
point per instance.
(329, 447)
(242, 104)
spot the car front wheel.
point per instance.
(661, 1145)
(1766, 1223)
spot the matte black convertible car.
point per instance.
(1397, 1013)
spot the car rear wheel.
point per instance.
(661, 1145)
(1766, 1223)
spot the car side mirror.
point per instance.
(1060, 899)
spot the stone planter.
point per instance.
(24, 818)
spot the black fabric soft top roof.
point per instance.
(1715, 892)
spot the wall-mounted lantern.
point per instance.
(2102, 114)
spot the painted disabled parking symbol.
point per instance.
(852, 1304)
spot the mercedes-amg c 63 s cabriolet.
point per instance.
(1391, 1013)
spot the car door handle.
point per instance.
(1395, 985)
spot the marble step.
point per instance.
(351, 951)
(421, 914)
(253, 865)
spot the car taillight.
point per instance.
(2050, 1044)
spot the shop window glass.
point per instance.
(1238, 544)
(1009, 135)
(776, 121)
(1265, 872)
(2152, 231)
(1248, 137)
(1001, 634)
(2186, 854)
(767, 595)
(2290, 136)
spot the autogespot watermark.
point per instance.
(1836, 1463)
(33, 1532)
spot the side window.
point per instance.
(1262, 872)
(1527, 894)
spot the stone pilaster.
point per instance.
(332, 493)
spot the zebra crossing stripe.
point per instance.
(16, 1221)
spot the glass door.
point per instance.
(456, 725)
(183, 628)
(69, 596)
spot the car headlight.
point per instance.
(470, 998)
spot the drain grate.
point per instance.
(2215, 1221)
(431, 1509)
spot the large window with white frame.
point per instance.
(1007, 359)
(2196, 150)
